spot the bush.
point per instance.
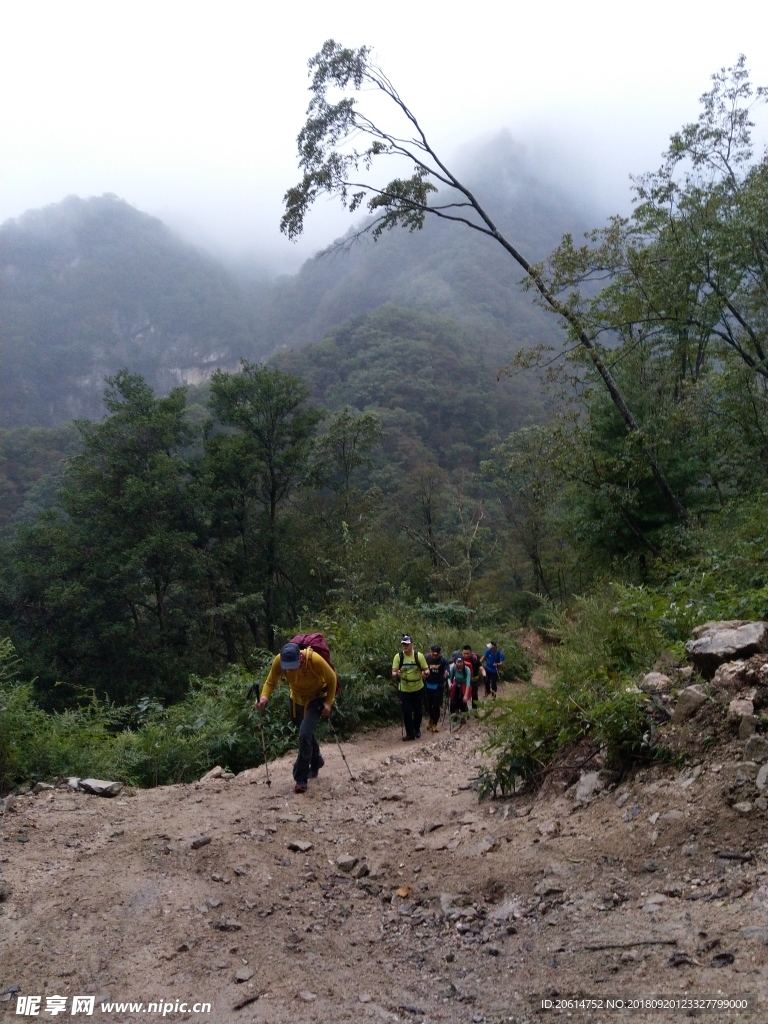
(142, 745)
(147, 744)
(602, 647)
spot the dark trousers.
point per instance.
(411, 705)
(458, 704)
(305, 719)
(433, 698)
(475, 689)
(491, 681)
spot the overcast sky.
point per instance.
(189, 110)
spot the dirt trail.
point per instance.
(468, 912)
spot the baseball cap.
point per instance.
(290, 657)
(406, 639)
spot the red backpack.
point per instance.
(318, 643)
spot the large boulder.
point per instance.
(717, 642)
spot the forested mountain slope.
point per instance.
(434, 388)
(91, 286)
(444, 268)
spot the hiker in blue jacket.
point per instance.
(492, 660)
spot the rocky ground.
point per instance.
(396, 895)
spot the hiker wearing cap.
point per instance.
(312, 686)
(434, 687)
(409, 670)
(492, 660)
(459, 686)
(472, 662)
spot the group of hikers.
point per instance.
(423, 681)
(436, 683)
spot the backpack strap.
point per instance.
(416, 655)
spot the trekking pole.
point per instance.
(400, 702)
(338, 744)
(264, 748)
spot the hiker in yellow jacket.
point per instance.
(312, 685)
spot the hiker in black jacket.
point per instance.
(434, 686)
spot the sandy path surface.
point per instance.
(462, 912)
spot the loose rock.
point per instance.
(346, 862)
(655, 682)
(747, 726)
(740, 707)
(100, 787)
(550, 828)
(587, 787)
(688, 703)
(756, 749)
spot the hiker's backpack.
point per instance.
(473, 664)
(416, 654)
(318, 643)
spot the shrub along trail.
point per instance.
(396, 896)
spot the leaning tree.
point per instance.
(338, 147)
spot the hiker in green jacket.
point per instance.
(409, 670)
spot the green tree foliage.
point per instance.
(333, 165)
(107, 586)
(683, 291)
(523, 483)
(435, 393)
(31, 467)
(677, 294)
(438, 270)
(255, 461)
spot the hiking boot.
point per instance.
(316, 771)
(300, 787)
(407, 739)
(418, 734)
